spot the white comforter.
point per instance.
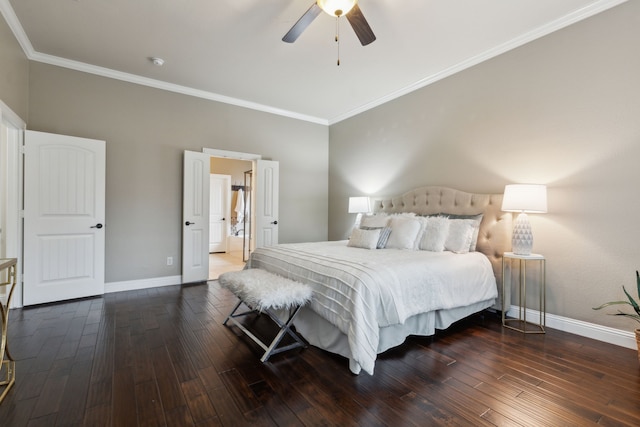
(360, 290)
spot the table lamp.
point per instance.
(524, 198)
(359, 205)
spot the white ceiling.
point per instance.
(231, 50)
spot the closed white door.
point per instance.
(220, 189)
(267, 180)
(195, 217)
(64, 217)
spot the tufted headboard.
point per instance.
(494, 237)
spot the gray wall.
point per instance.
(147, 131)
(14, 72)
(563, 111)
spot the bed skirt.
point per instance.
(320, 333)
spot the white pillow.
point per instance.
(477, 219)
(404, 232)
(435, 234)
(460, 235)
(404, 214)
(375, 220)
(365, 239)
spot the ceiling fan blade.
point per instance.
(302, 23)
(360, 26)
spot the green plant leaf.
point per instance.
(633, 316)
(607, 304)
(633, 303)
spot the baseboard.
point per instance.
(590, 330)
(133, 285)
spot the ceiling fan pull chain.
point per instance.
(338, 37)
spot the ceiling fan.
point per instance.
(337, 8)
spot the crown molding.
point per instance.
(15, 26)
(565, 21)
(158, 84)
(576, 16)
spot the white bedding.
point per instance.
(360, 291)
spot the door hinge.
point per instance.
(23, 149)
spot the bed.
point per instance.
(369, 299)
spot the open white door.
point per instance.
(219, 212)
(267, 179)
(195, 217)
(11, 166)
(64, 215)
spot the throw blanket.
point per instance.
(360, 291)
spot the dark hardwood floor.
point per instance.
(162, 357)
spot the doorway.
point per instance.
(238, 232)
(12, 129)
(195, 205)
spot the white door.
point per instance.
(266, 178)
(195, 217)
(64, 217)
(11, 186)
(220, 190)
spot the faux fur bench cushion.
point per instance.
(263, 290)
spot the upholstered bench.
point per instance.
(265, 292)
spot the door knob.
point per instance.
(274, 222)
(188, 223)
(98, 225)
(224, 219)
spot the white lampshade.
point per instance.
(524, 198)
(360, 204)
(337, 7)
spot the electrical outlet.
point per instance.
(169, 260)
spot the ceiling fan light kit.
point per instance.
(335, 8)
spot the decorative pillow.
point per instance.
(477, 220)
(374, 221)
(365, 239)
(404, 232)
(435, 234)
(460, 235)
(404, 214)
(384, 235)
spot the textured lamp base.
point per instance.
(522, 240)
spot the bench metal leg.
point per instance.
(285, 328)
